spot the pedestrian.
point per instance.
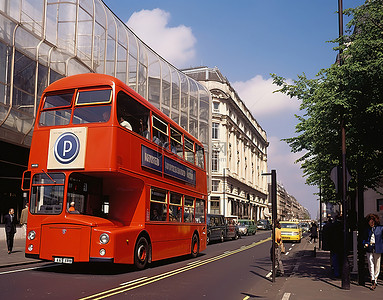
(24, 219)
(278, 250)
(313, 232)
(373, 243)
(10, 228)
(335, 245)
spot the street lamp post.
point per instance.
(346, 267)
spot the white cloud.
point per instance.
(175, 44)
(258, 95)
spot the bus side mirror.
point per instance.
(26, 181)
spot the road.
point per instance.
(235, 269)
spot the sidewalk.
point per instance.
(310, 277)
(17, 257)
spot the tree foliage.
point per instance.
(352, 92)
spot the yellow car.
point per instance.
(291, 231)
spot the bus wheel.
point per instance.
(194, 246)
(141, 253)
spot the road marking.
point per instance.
(194, 262)
(27, 269)
(269, 274)
(130, 282)
(145, 281)
(286, 296)
(247, 297)
(287, 253)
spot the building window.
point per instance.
(215, 131)
(215, 185)
(214, 161)
(214, 205)
(215, 106)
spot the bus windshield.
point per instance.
(91, 107)
(47, 194)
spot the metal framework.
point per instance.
(44, 40)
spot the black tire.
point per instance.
(141, 253)
(236, 236)
(194, 246)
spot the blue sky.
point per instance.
(247, 40)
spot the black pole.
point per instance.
(320, 215)
(224, 190)
(274, 213)
(346, 267)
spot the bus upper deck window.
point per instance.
(60, 100)
(56, 110)
(160, 132)
(132, 114)
(94, 97)
(176, 142)
(91, 114)
(200, 157)
(189, 150)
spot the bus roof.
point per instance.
(97, 79)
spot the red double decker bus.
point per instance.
(112, 178)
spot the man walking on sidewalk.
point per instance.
(10, 228)
(24, 219)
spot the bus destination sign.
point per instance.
(153, 160)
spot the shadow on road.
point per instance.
(97, 268)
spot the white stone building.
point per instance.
(238, 152)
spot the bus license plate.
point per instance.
(63, 260)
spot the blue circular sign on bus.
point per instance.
(67, 147)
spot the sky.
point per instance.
(247, 40)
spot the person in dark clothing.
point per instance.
(313, 232)
(10, 228)
(336, 246)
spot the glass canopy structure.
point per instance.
(44, 40)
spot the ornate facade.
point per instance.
(238, 152)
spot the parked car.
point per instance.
(291, 231)
(216, 228)
(264, 224)
(305, 226)
(247, 227)
(232, 228)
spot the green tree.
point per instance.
(352, 92)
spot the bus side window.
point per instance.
(200, 157)
(200, 211)
(160, 132)
(189, 210)
(158, 205)
(175, 208)
(189, 150)
(132, 115)
(176, 142)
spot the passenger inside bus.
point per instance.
(125, 123)
(134, 113)
(143, 130)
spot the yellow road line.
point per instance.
(145, 281)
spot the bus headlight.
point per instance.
(102, 252)
(30, 247)
(104, 238)
(31, 235)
